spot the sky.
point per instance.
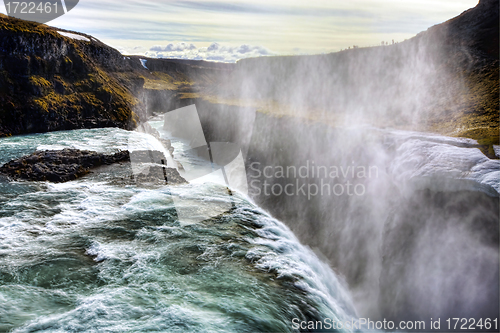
(224, 30)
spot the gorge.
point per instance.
(420, 242)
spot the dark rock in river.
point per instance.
(59, 165)
(69, 164)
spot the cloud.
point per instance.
(173, 48)
(139, 50)
(316, 26)
(214, 52)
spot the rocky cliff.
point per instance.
(54, 80)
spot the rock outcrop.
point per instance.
(60, 166)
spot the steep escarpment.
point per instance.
(49, 81)
(421, 240)
(418, 240)
(470, 53)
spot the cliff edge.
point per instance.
(52, 79)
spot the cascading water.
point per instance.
(408, 220)
(103, 254)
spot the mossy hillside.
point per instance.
(481, 120)
(51, 82)
(22, 26)
(473, 111)
(52, 103)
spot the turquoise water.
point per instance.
(102, 254)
